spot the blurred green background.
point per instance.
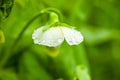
(98, 21)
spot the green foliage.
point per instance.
(5, 8)
(98, 21)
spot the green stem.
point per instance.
(24, 29)
(10, 52)
(48, 10)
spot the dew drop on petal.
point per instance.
(53, 37)
(36, 36)
(36, 41)
(60, 40)
(43, 41)
(72, 36)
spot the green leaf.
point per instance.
(5, 8)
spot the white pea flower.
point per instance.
(54, 36)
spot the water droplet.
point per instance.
(60, 40)
(36, 41)
(71, 41)
(43, 41)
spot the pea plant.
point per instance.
(53, 50)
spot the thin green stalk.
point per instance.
(11, 50)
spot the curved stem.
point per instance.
(10, 52)
(11, 49)
(24, 29)
(48, 10)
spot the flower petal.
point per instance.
(72, 36)
(52, 37)
(36, 36)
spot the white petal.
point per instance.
(72, 36)
(52, 37)
(36, 36)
